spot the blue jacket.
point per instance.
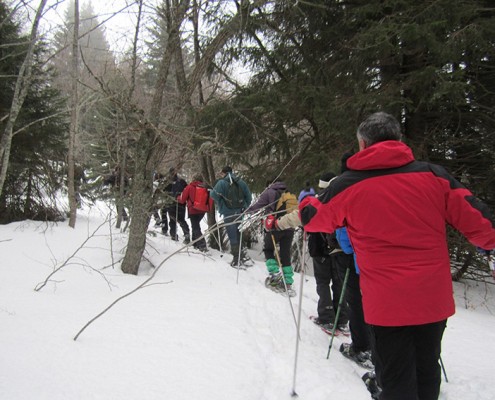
(220, 190)
(345, 244)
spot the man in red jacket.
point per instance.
(396, 209)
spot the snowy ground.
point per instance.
(198, 331)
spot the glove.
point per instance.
(485, 252)
(271, 223)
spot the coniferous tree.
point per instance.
(36, 167)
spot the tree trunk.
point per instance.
(73, 119)
(142, 202)
(20, 92)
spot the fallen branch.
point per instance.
(41, 285)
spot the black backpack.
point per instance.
(322, 244)
(235, 196)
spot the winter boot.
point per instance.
(187, 239)
(276, 283)
(362, 358)
(245, 259)
(234, 250)
(369, 379)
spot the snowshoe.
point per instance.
(369, 379)
(326, 327)
(235, 264)
(361, 358)
(275, 282)
(344, 329)
(246, 261)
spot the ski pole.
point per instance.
(283, 276)
(239, 257)
(302, 258)
(443, 369)
(338, 311)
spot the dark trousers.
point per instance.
(360, 334)
(232, 229)
(196, 230)
(406, 360)
(284, 241)
(326, 273)
(177, 214)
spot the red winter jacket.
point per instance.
(395, 210)
(187, 197)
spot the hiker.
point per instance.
(359, 349)
(280, 260)
(328, 261)
(176, 211)
(232, 196)
(307, 191)
(159, 210)
(395, 210)
(198, 202)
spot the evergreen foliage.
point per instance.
(37, 160)
(321, 67)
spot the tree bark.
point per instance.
(74, 117)
(20, 92)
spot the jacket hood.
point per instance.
(381, 155)
(278, 186)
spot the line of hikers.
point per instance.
(382, 223)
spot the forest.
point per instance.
(272, 88)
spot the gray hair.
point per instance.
(379, 127)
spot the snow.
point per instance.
(199, 330)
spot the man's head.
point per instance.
(225, 170)
(172, 173)
(378, 127)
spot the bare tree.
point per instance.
(20, 92)
(73, 118)
(152, 142)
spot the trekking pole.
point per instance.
(219, 238)
(176, 219)
(283, 277)
(239, 257)
(338, 311)
(302, 259)
(443, 369)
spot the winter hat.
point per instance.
(343, 161)
(226, 169)
(325, 180)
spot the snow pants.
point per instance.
(360, 334)
(177, 213)
(232, 229)
(407, 360)
(329, 287)
(284, 241)
(196, 230)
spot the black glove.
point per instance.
(485, 252)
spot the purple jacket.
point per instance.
(268, 199)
